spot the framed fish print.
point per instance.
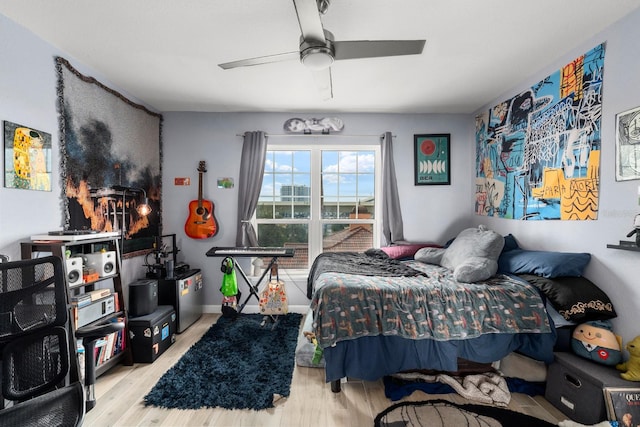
(432, 159)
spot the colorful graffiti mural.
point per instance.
(538, 153)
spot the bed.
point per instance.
(374, 315)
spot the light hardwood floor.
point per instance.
(120, 392)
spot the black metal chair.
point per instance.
(41, 383)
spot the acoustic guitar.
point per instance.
(201, 223)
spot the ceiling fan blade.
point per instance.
(261, 60)
(323, 83)
(309, 20)
(377, 48)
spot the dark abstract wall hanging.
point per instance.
(107, 143)
(538, 153)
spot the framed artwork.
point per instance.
(628, 145)
(27, 157)
(623, 405)
(432, 159)
(538, 152)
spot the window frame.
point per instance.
(316, 145)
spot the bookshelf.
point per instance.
(92, 266)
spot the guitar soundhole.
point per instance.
(202, 212)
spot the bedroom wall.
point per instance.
(28, 97)
(431, 213)
(615, 271)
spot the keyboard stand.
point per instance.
(234, 253)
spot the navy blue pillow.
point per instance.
(543, 263)
(510, 243)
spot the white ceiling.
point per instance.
(166, 52)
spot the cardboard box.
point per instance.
(152, 334)
(575, 386)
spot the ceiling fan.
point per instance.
(318, 49)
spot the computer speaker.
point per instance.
(104, 263)
(74, 271)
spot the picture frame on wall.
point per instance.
(432, 159)
(27, 157)
(628, 145)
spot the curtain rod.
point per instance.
(324, 135)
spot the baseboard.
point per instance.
(253, 309)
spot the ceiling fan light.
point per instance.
(317, 58)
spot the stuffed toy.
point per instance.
(317, 354)
(631, 367)
(595, 340)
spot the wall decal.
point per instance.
(107, 140)
(27, 157)
(324, 125)
(538, 153)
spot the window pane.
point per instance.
(268, 165)
(286, 235)
(266, 201)
(347, 237)
(329, 161)
(302, 161)
(283, 161)
(348, 162)
(366, 162)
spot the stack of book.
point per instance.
(110, 345)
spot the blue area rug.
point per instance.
(238, 364)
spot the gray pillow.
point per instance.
(473, 255)
(429, 255)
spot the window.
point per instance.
(319, 198)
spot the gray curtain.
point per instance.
(254, 152)
(391, 212)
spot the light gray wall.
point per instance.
(615, 271)
(433, 213)
(28, 97)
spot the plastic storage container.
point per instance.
(575, 386)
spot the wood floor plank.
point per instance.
(120, 394)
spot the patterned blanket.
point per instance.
(374, 262)
(433, 306)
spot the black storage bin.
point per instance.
(575, 386)
(152, 334)
(143, 297)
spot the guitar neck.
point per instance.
(199, 189)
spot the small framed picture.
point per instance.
(27, 157)
(432, 159)
(623, 405)
(628, 145)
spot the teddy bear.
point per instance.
(631, 368)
